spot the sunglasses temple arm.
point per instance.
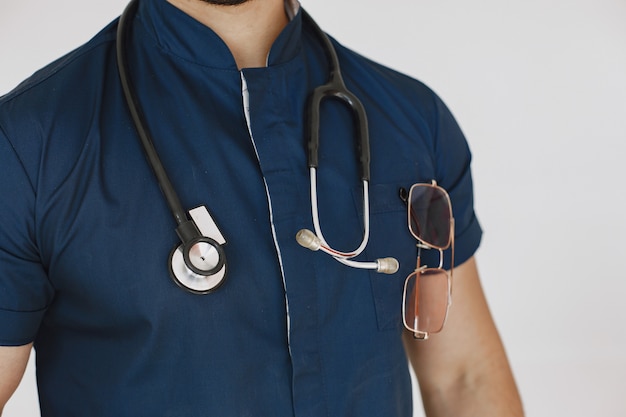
(418, 262)
(452, 245)
(451, 255)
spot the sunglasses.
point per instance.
(427, 291)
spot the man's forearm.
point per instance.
(464, 371)
(487, 393)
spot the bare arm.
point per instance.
(13, 362)
(463, 371)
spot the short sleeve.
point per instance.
(25, 291)
(453, 173)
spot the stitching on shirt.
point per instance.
(17, 156)
(435, 130)
(43, 75)
(157, 44)
(8, 310)
(36, 240)
(170, 53)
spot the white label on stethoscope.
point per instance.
(206, 225)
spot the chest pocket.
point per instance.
(389, 237)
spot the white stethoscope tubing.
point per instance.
(316, 241)
(335, 88)
(324, 246)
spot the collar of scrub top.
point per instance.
(182, 36)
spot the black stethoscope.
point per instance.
(198, 263)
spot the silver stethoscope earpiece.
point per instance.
(309, 240)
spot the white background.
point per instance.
(539, 87)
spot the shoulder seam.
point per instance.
(58, 65)
(17, 156)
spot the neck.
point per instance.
(248, 29)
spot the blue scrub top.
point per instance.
(85, 232)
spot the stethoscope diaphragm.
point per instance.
(205, 255)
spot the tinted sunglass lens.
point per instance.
(426, 300)
(429, 214)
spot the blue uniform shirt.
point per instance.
(85, 232)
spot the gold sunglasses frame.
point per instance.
(421, 269)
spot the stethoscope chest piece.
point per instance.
(202, 256)
(198, 265)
